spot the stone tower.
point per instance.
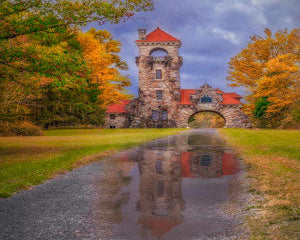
(159, 79)
(161, 102)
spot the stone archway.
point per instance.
(207, 98)
(208, 119)
(234, 117)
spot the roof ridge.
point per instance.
(159, 35)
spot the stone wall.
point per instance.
(169, 84)
(120, 121)
(233, 115)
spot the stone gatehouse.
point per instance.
(161, 103)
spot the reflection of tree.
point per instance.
(161, 201)
(109, 185)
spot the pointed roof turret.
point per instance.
(159, 35)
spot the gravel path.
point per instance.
(181, 187)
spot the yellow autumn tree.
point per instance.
(101, 52)
(268, 69)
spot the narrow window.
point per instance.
(158, 166)
(159, 95)
(154, 115)
(164, 115)
(112, 116)
(160, 188)
(158, 74)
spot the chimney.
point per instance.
(142, 34)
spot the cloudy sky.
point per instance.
(211, 32)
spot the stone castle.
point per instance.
(161, 103)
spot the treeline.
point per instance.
(268, 69)
(52, 74)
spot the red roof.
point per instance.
(159, 227)
(229, 165)
(185, 96)
(231, 98)
(159, 35)
(219, 91)
(118, 107)
(228, 98)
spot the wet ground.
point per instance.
(181, 187)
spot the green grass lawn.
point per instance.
(28, 161)
(272, 158)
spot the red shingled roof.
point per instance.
(229, 165)
(160, 225)
(118, 107)
(228, 98)
(185, 96)
(159, 35)
(231, 98)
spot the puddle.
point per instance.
(172, 188)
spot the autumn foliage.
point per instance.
(100, 51)
(52, 74)
(268, 69)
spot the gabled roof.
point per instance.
(185, 96)
(231, 98)
(159, 226)
(159, 35)
(228, 98)
(118, 107)
(229, 165)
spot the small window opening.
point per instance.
(165, 115)
(206, 160)
(160, 188)
(112, 116)
(158, 166)
(206, 99)
(112, 126)
(158, 74)
(159, 94)
(154, 115)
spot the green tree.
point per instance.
(40, 53)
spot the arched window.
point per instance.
(158, 52)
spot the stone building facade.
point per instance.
(161, 103)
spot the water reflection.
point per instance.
(164, 170)
(161, 201)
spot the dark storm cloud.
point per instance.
(211, 32)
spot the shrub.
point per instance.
(19, 129)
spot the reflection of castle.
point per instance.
(207, 164)
(162, 168)
(161, 202)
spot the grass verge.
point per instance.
(28, 161)
(272, 158)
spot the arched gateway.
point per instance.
(161, 101)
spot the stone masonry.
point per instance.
(161, 103)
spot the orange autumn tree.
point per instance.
(268, 68)
(101, 52)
